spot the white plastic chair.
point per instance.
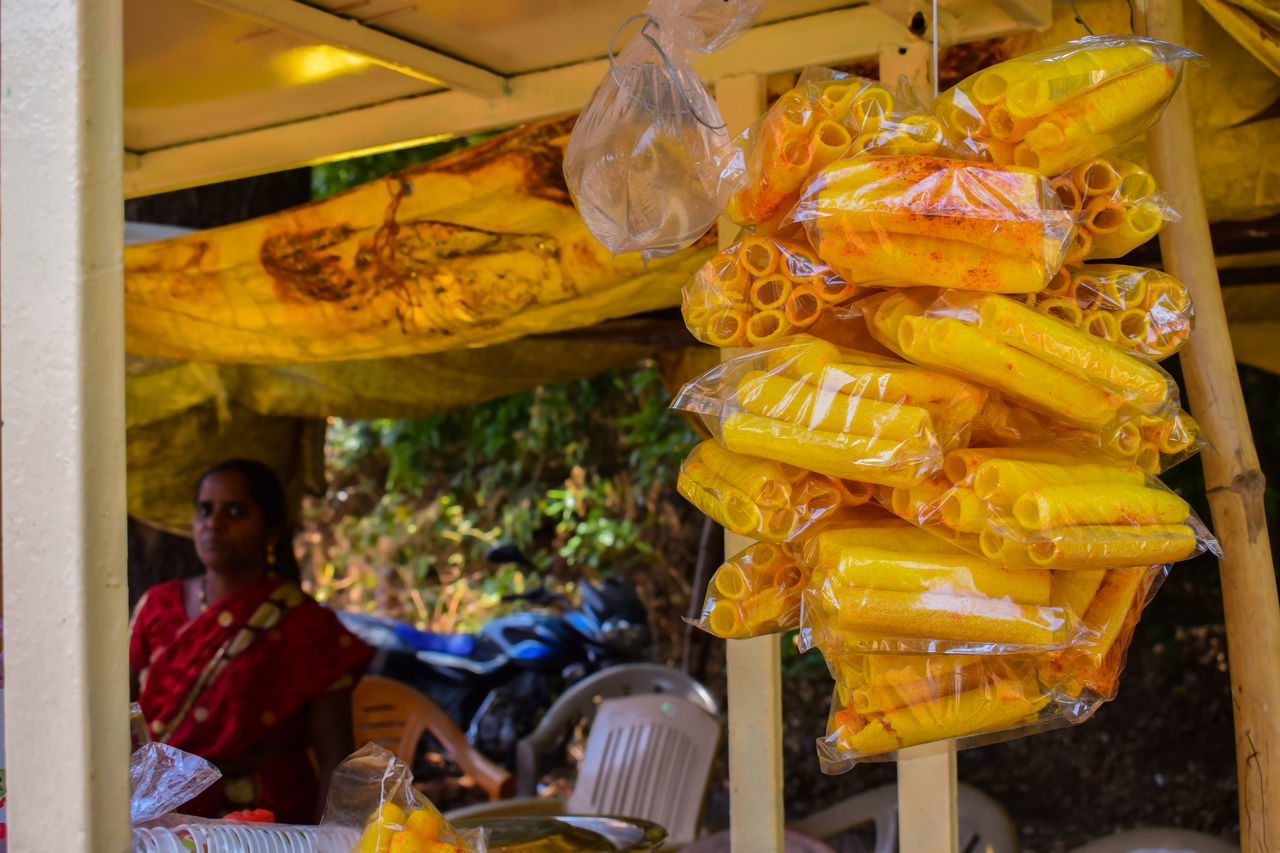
(985, 826)
(1161, 839)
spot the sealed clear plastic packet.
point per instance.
(372, 792)
(1057, 108)
(1054, 508)
(843, 413)
(1118, 205)
(893, 706)
(644, 160)
(904, 220)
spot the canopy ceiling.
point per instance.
(218, 89)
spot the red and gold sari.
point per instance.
(233, 684)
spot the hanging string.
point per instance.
(650, 21)
(933, 25)
(1080, 20)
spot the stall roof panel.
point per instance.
(217, 89)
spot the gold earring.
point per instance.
(271, 555)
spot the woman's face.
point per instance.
(229, 530)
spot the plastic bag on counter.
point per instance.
(1143, 311)
(1117, 204)
(373, 793)
(161, 778)
(644, 159)
(827, 116)
(755, 592)
(1033, 359)
(888, 707)
(764, 288)
(915, 220)
(1058, 108)
(1048, 508)
(763, 498)
(834, 411)
(892, 587)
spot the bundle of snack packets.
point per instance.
(372, 792)
(946, 430)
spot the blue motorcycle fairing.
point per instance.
(461, 645)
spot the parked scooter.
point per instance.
(496, 683)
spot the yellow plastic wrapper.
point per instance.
(917, 220)
(1117, 205)
(755, 592)
(1047, 508)
(762, 498)
(1031, 358)
(373, 792)
(1142, 311)
(1058, 108)
(826, 117)
(765, 288)
(834, 411)
(889, 587)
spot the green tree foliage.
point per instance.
(580, 475)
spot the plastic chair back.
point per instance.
(395, 716)
(648, 757)
(984, 825)
(581, 700)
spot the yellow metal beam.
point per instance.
(351, 35)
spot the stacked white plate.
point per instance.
(233, 837)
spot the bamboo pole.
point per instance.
(1232, 476)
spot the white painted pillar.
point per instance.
(62, 362)
(755, 665)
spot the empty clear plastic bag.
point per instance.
(643, 162)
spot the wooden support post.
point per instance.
(754, 666)
(61, 282)
(927, 787)
(1232, 475)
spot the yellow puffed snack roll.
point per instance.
(761, 289)
(1097, 121)
(765, 481)
(938, 616)
(1024, 376)
(1008, 211)
(1075, 590)
(1114, 547)
(1142, 385)
(1099, 503)
(726, 505)
(1117, 595)
(995, 705)
(1006, 480)
(820, 408)
(960, 573)
(871, 460)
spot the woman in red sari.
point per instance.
(241, 667)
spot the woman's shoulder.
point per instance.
(162, 596)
